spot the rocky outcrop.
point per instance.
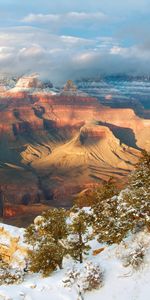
(12, 248)
(70, 89)
(28, 82)
(23, 85)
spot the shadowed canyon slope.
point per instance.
(53, 146)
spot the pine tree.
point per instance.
(84, 199)
(31, 235)
(79, 235)
(105, 213)
(135, 203)
(113, 218)
(106, 191)
(91, 197)
(54, 222)
(47, 256)
(47, 236)
(107, 223)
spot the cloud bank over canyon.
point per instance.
(70, 40)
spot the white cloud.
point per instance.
(28, 49)
(6, 52)
(115, 50)
(33, 51)
(136, 51)
(66, 19)
(40, 18)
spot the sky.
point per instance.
(62, 39)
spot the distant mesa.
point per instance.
(31, 83)
(28, 82)
(70, 89)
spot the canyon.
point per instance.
(52, 146)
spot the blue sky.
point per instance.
(70, 39)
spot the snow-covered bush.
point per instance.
(9, 275)
(135, 258)
(88, 278)
(71, 277)
(133, 251)
(91, 277)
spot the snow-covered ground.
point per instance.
(120, 282)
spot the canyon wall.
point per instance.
(53, 146)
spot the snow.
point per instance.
(30, 84)
(14, 232)
(120, 282)
(33, 90)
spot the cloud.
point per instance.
(70, 39)
(28, 49)
(137, 51)
(69, 20)
(40, 18)
(65, 18)
(5, 53)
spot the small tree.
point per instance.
(54, 222)
(79, 235)
(106, 221)
(47, 256)
(47, 236)
(84, 199)
(106, 191)
(91, 197)
(105, 213)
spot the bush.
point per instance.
(88, 278)
(9, 275)
(135, 258)
(71, 277)
(133, 251)
(91, 278)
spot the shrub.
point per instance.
(71, 277)
(88, 278)
(9, 275)
(91, 278)
(135, 258)
(133, 251)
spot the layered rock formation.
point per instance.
(53, 146)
